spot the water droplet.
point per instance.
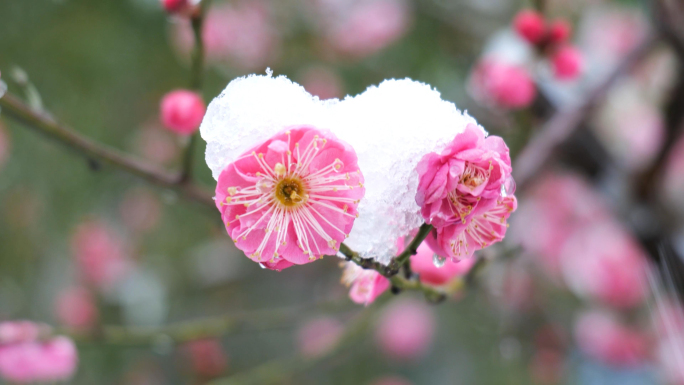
(508, 187)
(438, 261)
(262, 265)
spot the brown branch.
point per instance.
(561, 126)
(43, 123)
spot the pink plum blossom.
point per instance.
(406, 329)
(502, 85)
(422, 263)
(28, 357)
(182, 111)
(207, 357)
(99, 253)
(75, 308)
(484, 226)
(530, 25)
(567, 63)
(603, 337)
(291, 199)
(451, 184)
(602, 262)
(240, 34)
(365, 285)
(369, 27)
(140, 209)
(319, 335)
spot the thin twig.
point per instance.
(40, 121)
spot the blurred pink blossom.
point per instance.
(287, 189)
(318, 336)
(156, 144)
(181, 111)
(567, 63)
(602, 337)
(31, 360)
(553, 209)
(75, 308)
(240, 34)
(423, 264)
(602, 262)
(99, 253)
(530, 25)
(140, 209)
(502, 85)
(630, 127)
(207, 357)
(365, 285)
(406, 329)
(12, 332)
(611, 33)
(323, 82)
(369, 26)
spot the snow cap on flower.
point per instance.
(292, 197)
(365, 285)
(181, 111)
(385, 125)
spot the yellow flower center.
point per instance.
(290, 192)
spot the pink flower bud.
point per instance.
(179, 7)
(530, 25)
(182, 111)
(406, 329)
(99, 253)
(502, 85)
(559, 31)
(75, 308)
(207, 357)
(567, 63)
(318, 336)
